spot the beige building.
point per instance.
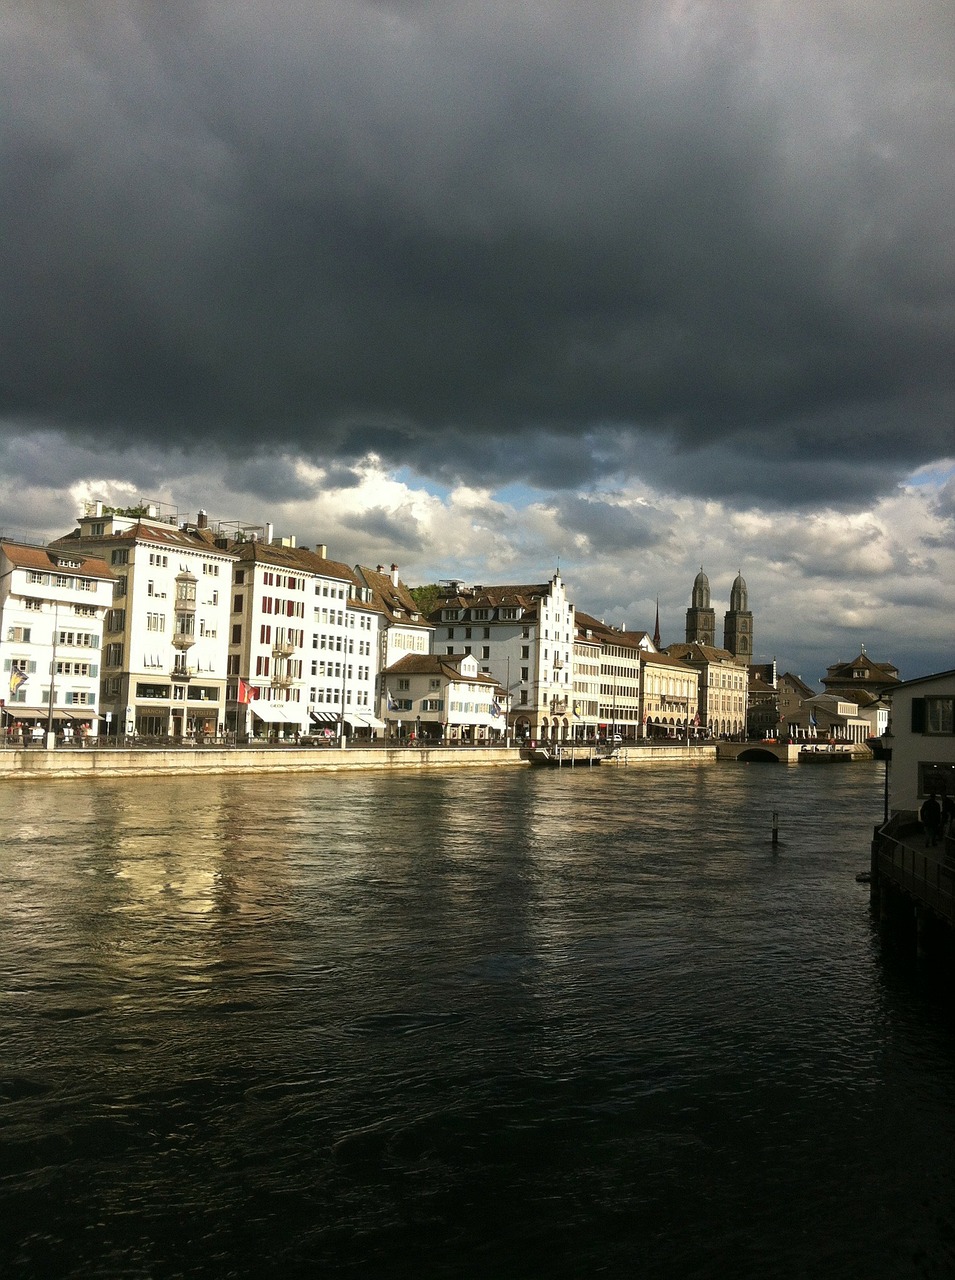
(724, 682)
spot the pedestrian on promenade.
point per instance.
(948, 816)
(930, 816)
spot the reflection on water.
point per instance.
(500, 1023)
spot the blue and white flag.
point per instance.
(392, 705)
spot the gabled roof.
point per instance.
(436, 664)
(395, 601)
(611, 635)
(46, 559)
(158, 534)
(883, 672)
(908, 684)
(798, 684)
(693, 651)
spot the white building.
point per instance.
(53, 605)
(923, 740)
(166, 634)
(443, 699)
(304, 644)
(524, 637)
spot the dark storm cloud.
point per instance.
(472, 238)
(393, 530)
(610, 527)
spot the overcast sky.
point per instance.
(480, 287)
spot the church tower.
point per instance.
(700, 618)
(738, 623)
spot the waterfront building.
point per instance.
(618, 687)
(738, 623)
(792, 693)
(826, 716)
(724, 685)
(585, 678)
(166, 633)
(443, 698)
(860, 680)
(669, 697)
(923, 739)
(303, 643)
(523, 636)
(404, 629)
(53, 606)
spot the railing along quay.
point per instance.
(913, 887)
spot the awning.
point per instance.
(325, 717)
(274, 715)
(364, 720)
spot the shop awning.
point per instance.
(324, 717)
(274, 715)
(364, 720)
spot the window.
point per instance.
(239, 577)
(20, 635)
(237, 633)
(467, 633)
(524, 671)
(432, 704)
(404, 684)
(450, 633)
(933, 715)
(34, 605)
(485, 651)
(36, 577)
(115, 619)
(120, 556)
(525, 651)
(155, 622)
(160, 561)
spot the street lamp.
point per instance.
(886, 743)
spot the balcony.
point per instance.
(283, 649)
(183, 640)
(558, 664)
(282, 682)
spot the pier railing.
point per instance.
(927, 875)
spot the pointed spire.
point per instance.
(656, 629)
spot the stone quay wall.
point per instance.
(115, 762)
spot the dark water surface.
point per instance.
(499, 1023)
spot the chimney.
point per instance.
(379, 568)
(269, 532)
(202, 520)
(394, 575)
(321, 550)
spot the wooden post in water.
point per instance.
(775, 828)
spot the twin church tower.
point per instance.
(737, 621)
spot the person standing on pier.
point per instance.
(930, 816)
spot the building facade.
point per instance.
(923, 740)
(724, 684)
(53, 606)
(166, 634)
(523, 636)
(303, 645)
(441, 698)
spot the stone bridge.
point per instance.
(784, 752)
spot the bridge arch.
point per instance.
(758, 754)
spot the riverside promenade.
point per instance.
(140, 761)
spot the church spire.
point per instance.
(656, 628)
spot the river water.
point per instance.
(494, 1023)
